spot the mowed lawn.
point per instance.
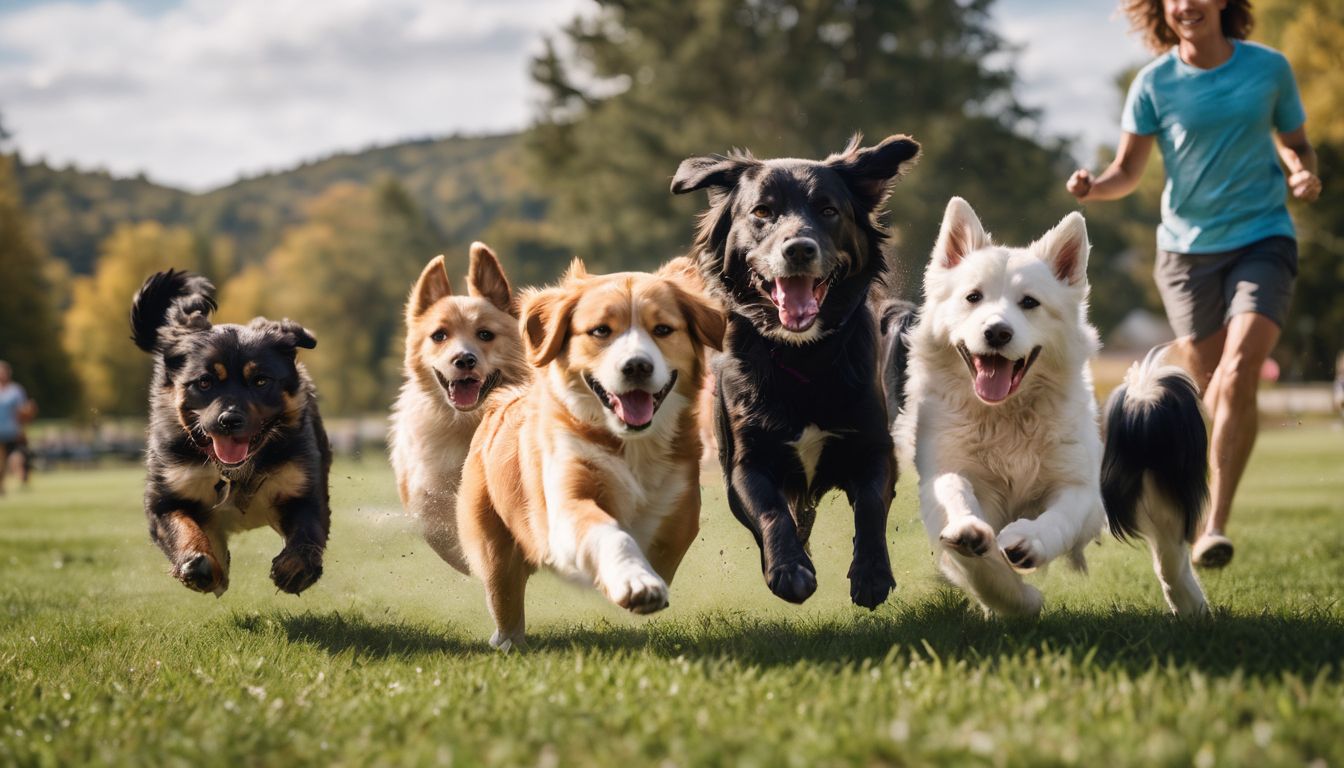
(105, 659)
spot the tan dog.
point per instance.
(459, 350)
(593, 470)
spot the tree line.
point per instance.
(628, 91)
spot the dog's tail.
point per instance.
(894, 320)
(1155, 429)
(172, 296)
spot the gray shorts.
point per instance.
(1202, 291)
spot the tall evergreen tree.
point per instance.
(30, 337)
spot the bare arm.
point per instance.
(1300, 159)
(1120, 177)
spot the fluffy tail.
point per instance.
(165, 297)
(1155, 425)
(1154, 471)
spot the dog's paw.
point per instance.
(1024, 551)
(506, 642)
(293, 570)
(795, 581)
(968, 536)
(870, 583)
(639, 591)
(200, 572)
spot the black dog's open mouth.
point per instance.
(635, 408)
(234, 450)
(798, 298)
(469, 391)
(996, 377)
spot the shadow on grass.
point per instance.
(1267, 645)
(335, 633)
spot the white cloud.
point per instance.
(201, 92)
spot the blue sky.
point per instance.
(196, 92)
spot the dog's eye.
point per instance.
(439, 336)
(974, 297)
(485, 335)
(600, 332)
(830, 212)
(762, 212)
(661, 330)
(260, 381)
(204, 383)
(1028, 302)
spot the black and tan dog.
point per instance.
(792, 248)
(235, 439)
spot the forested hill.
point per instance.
(460, 184)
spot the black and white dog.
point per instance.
(792, 248)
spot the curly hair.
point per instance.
(1148, 18)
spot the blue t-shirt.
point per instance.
(12, 398)
(1225, 188)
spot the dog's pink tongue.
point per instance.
(993, 377)
(464, 393)
(230, 450)
(796, 301)
(635, 407)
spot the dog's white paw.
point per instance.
(968, 536)
(508, 642)
(1024, 551)
(638, 591)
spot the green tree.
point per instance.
(649, 83)
(113, 372)
(29, 327)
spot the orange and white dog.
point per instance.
(593, 470)
(459, 350)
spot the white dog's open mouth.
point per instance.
(798, 298)
(996, 377)
(467, 392)
(635, 408)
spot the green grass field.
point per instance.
(105, 659)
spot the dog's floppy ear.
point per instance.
(869, 171)
(685, 269)
(704, 317)
(486, 280)
(285, 332)
(961, 234)
(718, 173)
(432, 286)
(1065, 249)
(546, 317)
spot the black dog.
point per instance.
(235, 439)
(792, 247)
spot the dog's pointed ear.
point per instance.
(869, 171)
(961, 234)
(717, 173)
(486, 280)
(1065, 249)
(432, 286)
(546, 316)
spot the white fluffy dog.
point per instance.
(1000, 422)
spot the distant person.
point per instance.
(1227, 116)
(15, 411)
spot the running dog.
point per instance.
(593, 469)
(1000, 422)
(459, 351)
(792, 248)
(235, 439)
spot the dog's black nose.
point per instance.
(231, 420)
(998, 334)
(465, 361)
(637, 368)
(800, 250)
